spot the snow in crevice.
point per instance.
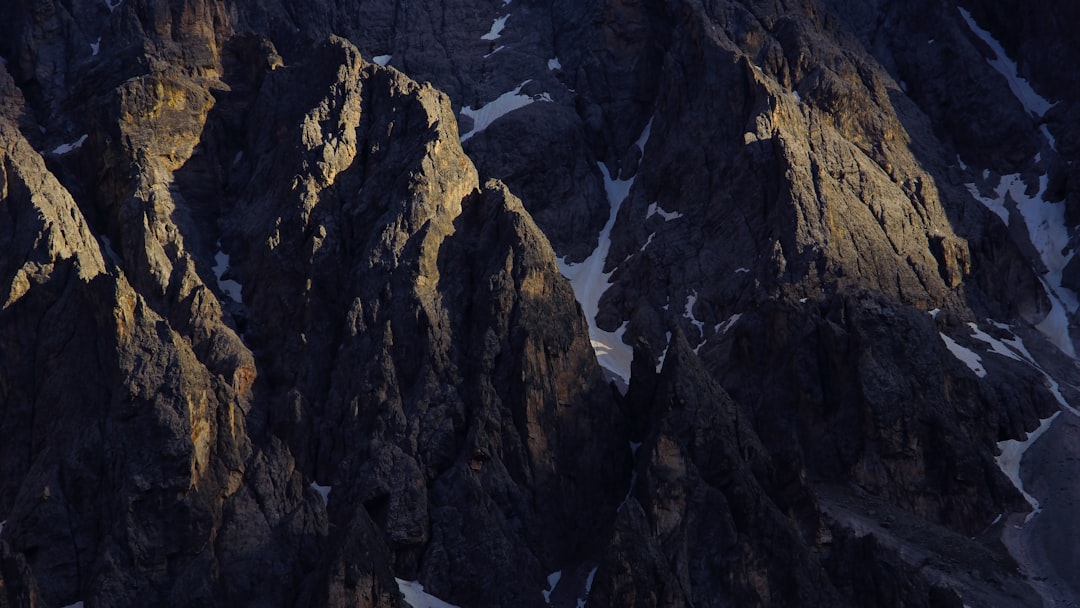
(590, 281)
(2, 526)
(112, 6)
(497, 27)
(553, 581)
(75, 145)
(691, 300)
(107, 246)
(1015, 349)
(95, 47)
(741, 270)
(323, 491)
(722, 328)
(1047, 231)
(1033, 102)
(382, 59)
(78, 604)
(1049, 138)
(648, 242)
(231, 288)
(1012, 453)
(554, 64)
(416, 597)
(965, 355)
(663, 355)
(588, 587)
(655, 209)
(497, 49)
(488, 113)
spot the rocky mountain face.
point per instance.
(511, 303)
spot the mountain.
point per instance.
(482, 303)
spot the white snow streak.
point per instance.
(323, 491)
(497, 27)
(967, 356)
(588, 587)
(590, 281)
(112, 7)
(416, 597)
(95, 47)
(554, 64)
(499, 107)
(1032, 101)
(231, 288)
(75, 145)
(655, 209)
(382, 59)
(1046, 229)
(663, 355)
(109, 251)
(78, 604)
(1015, 349)
(1012, 452)
(722, 328)
(691, 300)
(553, 581)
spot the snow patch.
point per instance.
(111, 5)
(497, 27)
(1045, 222)
(648, 241)
(231, 288)
(590, 281)
(740, 270)
(553, 581)
(497, 49)
(1049, 138)
(588, 587)
(382, 59)
(416, 597)
(691, 300)
(1018, 351)
(554, 64)
(1033, 102)
(967, 356)
(655, 209)
(497, 108)
(323, 491)
(75, 145)
(663, 355)
(95, 47)
(722, 328)
(1012, 452)
(78, 604)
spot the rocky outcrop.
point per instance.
(714, 520)
(434, 349)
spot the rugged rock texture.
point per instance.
(282, 321)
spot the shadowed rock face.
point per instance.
(280, 324)
(406, 338)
